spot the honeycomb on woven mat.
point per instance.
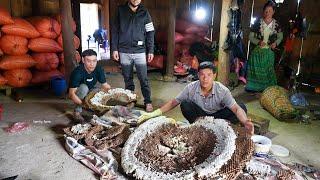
(242, 155)
(195, 151)
(102, 138)
(285, 174)
(172, 150)
(88, 104)
(103, 101)
(245, 176)
(118, 96)
(78, 131)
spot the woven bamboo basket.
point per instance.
(90, 106)
(276, 101)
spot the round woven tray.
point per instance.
(101, 110)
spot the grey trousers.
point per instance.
(82, 92)
(140, 62)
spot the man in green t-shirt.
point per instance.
(84, 78)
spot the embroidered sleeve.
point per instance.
(278, 34)
(277, 27)
(253, 38)
(279, 38)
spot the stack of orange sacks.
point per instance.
(186, 34)
(76, 43)
(31, 49)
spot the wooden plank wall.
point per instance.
(26, 8)
(159, 12)
(311, 10)
(284, 12)
(48, 7)
(18, 8)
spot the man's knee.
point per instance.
(82, 91)
(191, 111)
(243, 106)
(186, 110)
(142, 74)
(126, 70)
(185, 105)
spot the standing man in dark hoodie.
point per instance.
(133, 43)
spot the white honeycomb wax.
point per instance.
(225, 147)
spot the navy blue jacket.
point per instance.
(132, 32)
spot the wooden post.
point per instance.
(216, 19)
(76, 17)
(223, 67)
(20, 8)
(106, 16)
(171, 44)
(35, 8)
(67, 35)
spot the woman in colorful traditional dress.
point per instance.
(266, 35)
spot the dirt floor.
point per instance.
(38, 152)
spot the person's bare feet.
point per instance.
(78, 117)
(149, 107)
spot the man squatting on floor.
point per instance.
(206, 97)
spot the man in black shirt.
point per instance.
(84, 78)
(133, 38)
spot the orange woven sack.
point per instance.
(44, 45)
(3, 80)
(14, 45)
(1, 52)
(46, 61)
(77, 54)
(73, 23)
(47, 27)
(21, 27)
(76, 41)
(16, 62)
(41, 77)
(18, 77)
(157, 61)
(194, 63)
(5, 17)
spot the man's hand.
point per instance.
(150, 57)
(105, 87)
(115, 55)
(173, 121)
(76, 100)
(273, 45)
(74, 97)
(248, 125)
(146, 116)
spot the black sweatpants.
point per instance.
(191, 111)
